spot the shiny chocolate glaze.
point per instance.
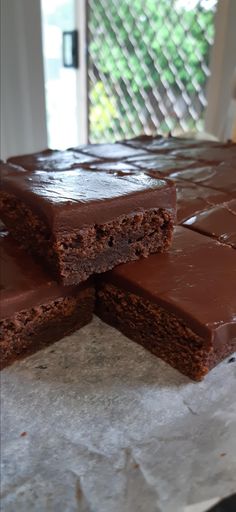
(162, 164)
(196, 280)
(218, 222)
(193, 198)
(113, 167)
(78, 197)
(215, 154)
(111, 151)
(162, 144)
(7, 168)
(169, 144)
(52, 160)
(143, 141)
(221, 177)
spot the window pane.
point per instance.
(60, 82)
(148, 65)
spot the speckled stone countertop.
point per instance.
(95, 423)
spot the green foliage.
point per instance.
(160, 34)
(103, 112)
(133, 41)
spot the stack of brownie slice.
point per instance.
(78, 219)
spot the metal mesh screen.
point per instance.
(148, 65)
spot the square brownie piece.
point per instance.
(35, 310)
(107, 151)
(159, 144)
(210, 154)
(162, 164)
(220, 177)
(143, 141)
(180, 305)
(193, 198)
(52, 160)
(114, 167)
(218, 222)
(81, 222)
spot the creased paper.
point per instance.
(95, 423)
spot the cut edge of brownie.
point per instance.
(28, 331)
(73, 257)
(159, 331)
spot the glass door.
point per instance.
(61, 73)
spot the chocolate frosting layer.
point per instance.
(196, 280)
(167, 145)
(52, 160)
(218, 222)
(221, 177)
(162, 164)
(162, 144)
(111, 151)
(23, 283)
(193, 198)
(113, 167)
(220, 153)
(6, 169)
(156, 165)
(74, 198)
(141, 141)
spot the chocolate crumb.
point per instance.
(23, 434)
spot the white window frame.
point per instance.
(222, 66)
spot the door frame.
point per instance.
(222, 66)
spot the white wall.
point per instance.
(222, 64)
(23, 117)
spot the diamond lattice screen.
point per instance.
(148, 65)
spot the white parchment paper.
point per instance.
(95, 423)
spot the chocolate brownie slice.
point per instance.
(52, 160)
(116, 151)
(35, 310)
(218, 222)
(113, 167)
(162, 164)
(208, 154)
(181, 306)
(159, 144)
(81, 222)
(220, 177)
(143, 141)
(193, 198)
(7, 168)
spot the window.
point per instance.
(58, 16)
(148, 65)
